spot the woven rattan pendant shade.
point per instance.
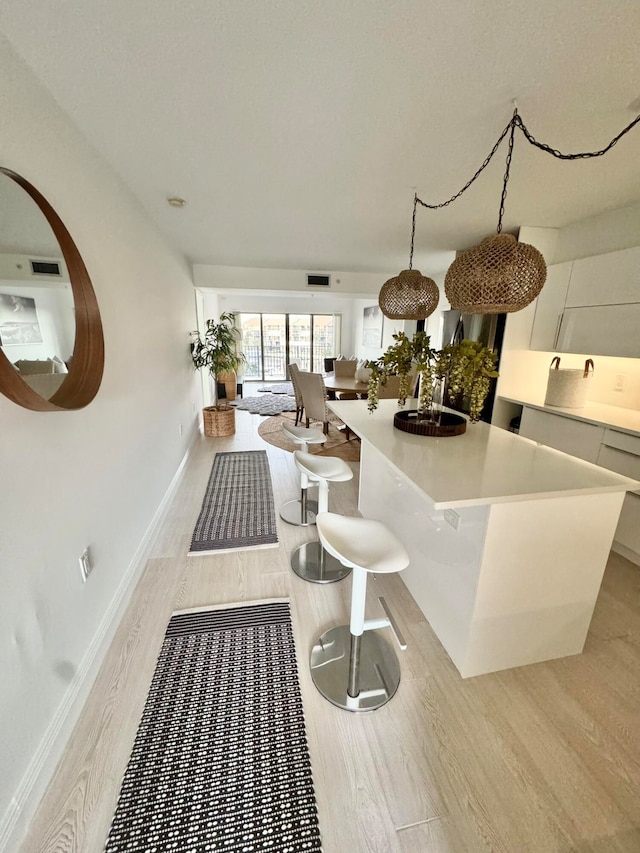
(497, 276)
(408, 296)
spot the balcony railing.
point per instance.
(273, 359)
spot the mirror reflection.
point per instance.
(37, 322)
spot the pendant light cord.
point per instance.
(507, 171)
(413, 229)
(516, 121)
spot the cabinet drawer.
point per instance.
(574, 437)
(622, 440)
(620, 461)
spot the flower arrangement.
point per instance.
(465, 368)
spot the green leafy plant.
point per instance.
(467, 369)
(217, 350)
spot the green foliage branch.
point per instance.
(217, 350)
(467, 369)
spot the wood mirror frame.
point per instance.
(83, 380)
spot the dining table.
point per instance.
(343, 384)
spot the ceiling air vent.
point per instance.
(318, 281)
(45, 268)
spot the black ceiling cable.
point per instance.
(516, 121)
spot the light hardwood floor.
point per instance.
(540, 759)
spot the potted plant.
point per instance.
(217, 351)
(458, 371)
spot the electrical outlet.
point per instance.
(85, 564)
(619, 386)
(452, 518)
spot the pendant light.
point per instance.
(499, 275)
(409, 295)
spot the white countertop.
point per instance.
(484, 465)
(625, 420)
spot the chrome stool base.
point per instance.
(312, 563)
(291, 512)
(378, 669)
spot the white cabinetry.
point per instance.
(549, 307)
(620, 452)
(610, 448)
(574, 437)
(611, 279)
(591, 305)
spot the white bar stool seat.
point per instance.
(311, 561)
(353, 666)
(301, 512)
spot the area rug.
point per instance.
(335, 445)
(238, 510)
(220, 761)
(266, 404)
(284, 388)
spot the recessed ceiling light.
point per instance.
(175, 201)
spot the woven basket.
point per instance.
(568, 387)
(497, 276)
(409, 296)
(219, 420)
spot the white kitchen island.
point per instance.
(508, 539)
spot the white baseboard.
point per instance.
(630, 555)
(25, 801)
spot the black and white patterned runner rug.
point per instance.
(238, 510)
(220, 760)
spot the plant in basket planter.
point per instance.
(217, 351)
(464, 370)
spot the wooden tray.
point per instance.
(449, 424)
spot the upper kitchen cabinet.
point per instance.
(611, 279)
(592, 306)
(549, 307)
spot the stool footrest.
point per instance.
(374, 624)
(393, 624)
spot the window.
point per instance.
(272, 341)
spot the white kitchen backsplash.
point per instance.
(616, 381)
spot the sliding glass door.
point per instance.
(272, 341)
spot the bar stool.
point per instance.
(301, 512)
(311, 561)
(352, 665)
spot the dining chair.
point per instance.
(314, 398)
(294, 370)
(345, 367)
(391, 390)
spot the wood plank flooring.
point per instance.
(540, 759)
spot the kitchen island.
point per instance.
(508, 539)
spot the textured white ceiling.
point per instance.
(298, 130)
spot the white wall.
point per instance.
(304, 303)
(93, 477)
(254, 278)
(597, 235)
(433, 325)
(281, 290)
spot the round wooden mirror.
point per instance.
(85, 364)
